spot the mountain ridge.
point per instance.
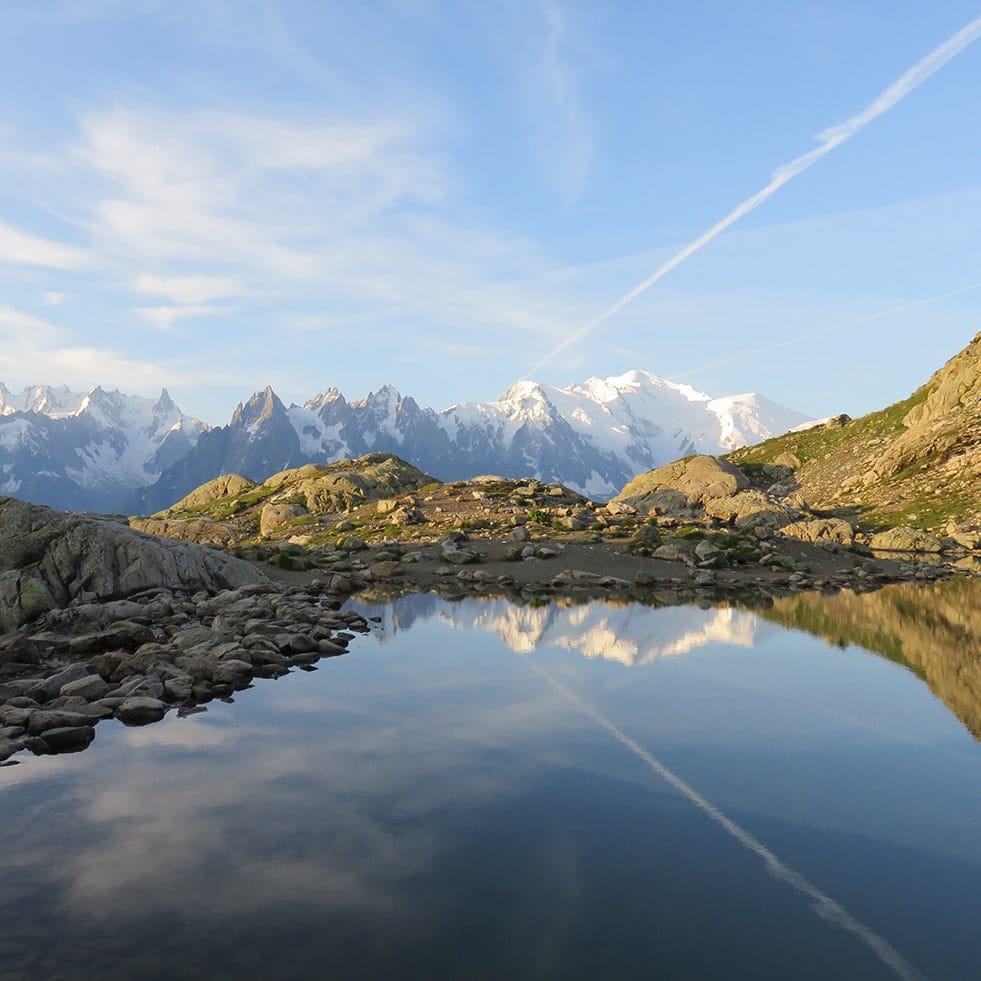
(74, 451)
(88, 451)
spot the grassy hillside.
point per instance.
(917, 462)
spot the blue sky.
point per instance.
(220, 194)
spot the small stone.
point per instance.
(298, 644)
(141, 710)
(178, 689)
(385, 570)
(140, 687)
(232, 672)
(352, 543)
(13, 715)
(460, 556)
(90, 688)
(44, 719)
(47, 689)
(69, 737)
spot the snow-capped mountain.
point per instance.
(91, 451)
(109, 451)
(593, 437)
(598, 435)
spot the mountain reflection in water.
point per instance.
(933, 630)
(484, 790)
(625, 633)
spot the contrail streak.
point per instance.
(823, 904)
(828, 140)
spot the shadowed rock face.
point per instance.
(49, 558)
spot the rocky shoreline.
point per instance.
(138, 658)
(100, 620)
(160, 650)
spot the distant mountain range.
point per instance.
(95, 452)
(112, 452)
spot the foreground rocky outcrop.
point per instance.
(49, 559)
(98, 620)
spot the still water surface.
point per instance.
(482, 790)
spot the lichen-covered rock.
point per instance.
(965, 535)
(906, 540)
(821, 530)
(404, 516)
(378, 476)
(698, 478)
(49, 558)
(198, 530)
(750, 509)
(227, 485)
(352, 543)
(276, 516)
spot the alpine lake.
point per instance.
(482, 789)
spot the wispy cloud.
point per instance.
(25, 323)
(23, 248)
(91, 366)
(542, 46)
(189, 289)
(828, 140)
(165, 317)
(574, 154)
(33, 349)
(340, 219)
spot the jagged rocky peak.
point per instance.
(386, 399)
(331, 396)
(261, 407)
(50, 400)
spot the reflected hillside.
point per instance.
(935, 631)
(630, 635)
